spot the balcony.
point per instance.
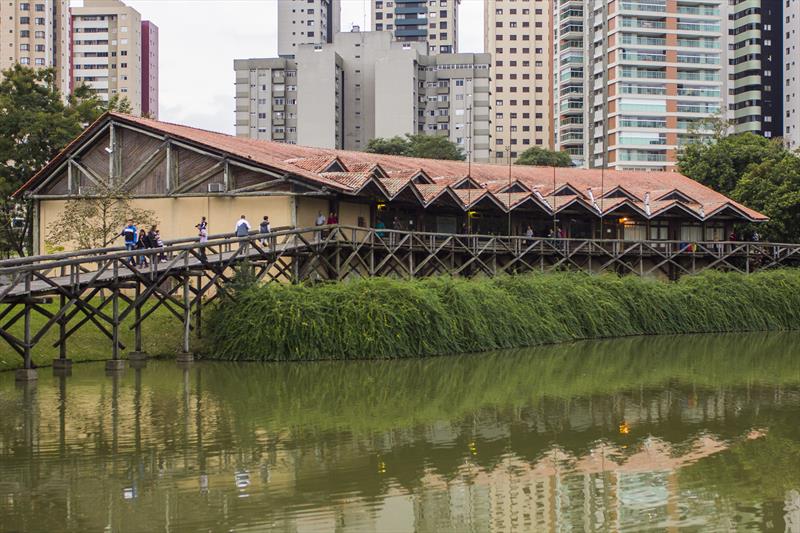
(636, 6)
(625, 155)
(705, 109)
(627, 38)
(698, 10)
(637, 73)
(698, 26)
(411, 22)
(707, 93)
(644, 24)
(633, 56)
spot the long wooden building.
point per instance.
(183, 173)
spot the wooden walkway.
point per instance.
(103, 287)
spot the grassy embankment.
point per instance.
(161, 335)
(385, 318)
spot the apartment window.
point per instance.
(24, 20)
(40, 8)
(39, 21)
(25, 47)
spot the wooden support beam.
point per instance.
(147, 166)
(200, 178)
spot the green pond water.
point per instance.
(694, 433)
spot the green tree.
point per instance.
(544, 158)
(434, 147)
(389, 146)
(95, 220)
(720, 163)
(772, 187)
(35, 124)
(419, 145)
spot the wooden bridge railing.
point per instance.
(106, 286)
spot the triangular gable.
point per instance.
(617, 204)
(465, 183)
(677, 196)
(728, 207)
(566, 190)
(335, 165)
(621, 192)
(675, 205)
(515, 187)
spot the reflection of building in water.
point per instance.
(182, 454)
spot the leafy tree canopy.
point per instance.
(544, 158)
(36, 122)
(772, 187)
(720, 163)
(419, 145)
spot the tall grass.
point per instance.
(386, 318)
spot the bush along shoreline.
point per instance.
(388, 318)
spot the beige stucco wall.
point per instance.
(308, 209)
(349, 213)
(178, 216)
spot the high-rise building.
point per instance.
(266, 99)
(791, 60)
(519, 37)
(431, 21)
(35, 33)
(365, 85)
(306, 22)
(754, 62)
(634, 79)
(110, 55)
(149, 69)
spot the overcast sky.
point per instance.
(201, 38)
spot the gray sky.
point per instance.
(199, 40)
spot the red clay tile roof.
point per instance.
(306, 163)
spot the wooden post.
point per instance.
(186, 356)
(198, 317)
(62, 364)
(27, 372)
(138, 353)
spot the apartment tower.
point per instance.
(35, 33)
(754, 62)
(306, 22)
(115, 53)
(519, 37)
(791, 60)
(432, 21)
(365, 85)
(633, 79)
(149, 69)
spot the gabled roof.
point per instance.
(393, 173)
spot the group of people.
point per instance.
(140, 239)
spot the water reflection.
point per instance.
(697, 431)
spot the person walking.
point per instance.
(202, 232)
(130, 235)
(264, 228)
(142, 243)
(529, 232)
(379, 225)
(319, 221)
(243, 230)
(158, 243)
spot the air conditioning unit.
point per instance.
(216, 187)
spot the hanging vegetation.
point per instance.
(387, 318)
